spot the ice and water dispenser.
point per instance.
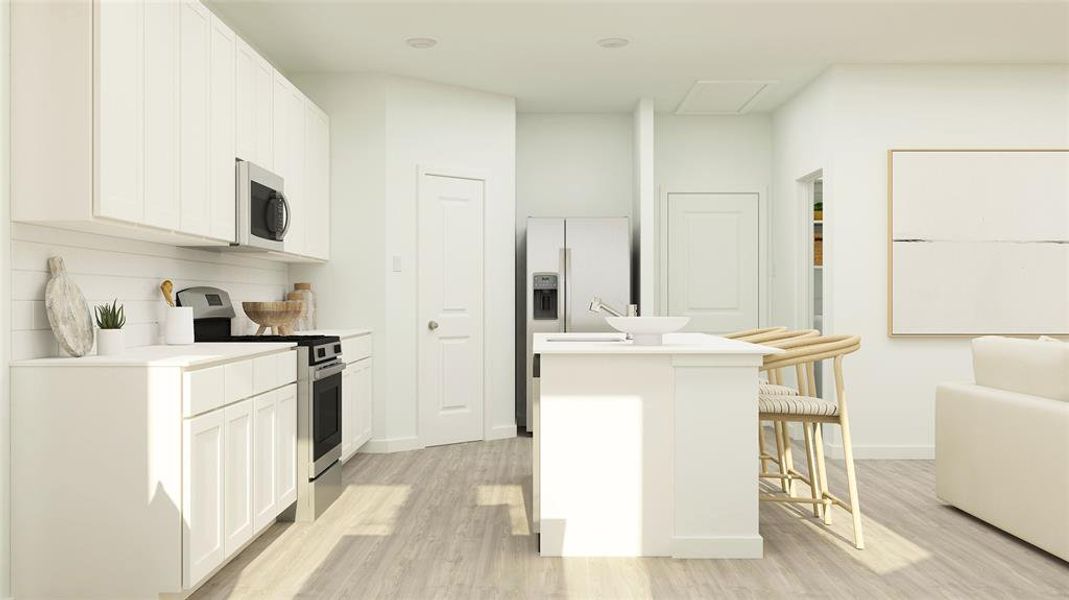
(544, 302)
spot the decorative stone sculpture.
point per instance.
(68, 312)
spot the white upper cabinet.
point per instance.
(195, 27)
(317, 182)
(161, 115)
(147, 132)
(255, 118)
(221, 141)
(120, 101)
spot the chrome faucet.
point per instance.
(596, 305)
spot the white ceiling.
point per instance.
(544, 53)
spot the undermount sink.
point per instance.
(587, 340)
(647, 331)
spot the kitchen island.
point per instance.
(646, 450)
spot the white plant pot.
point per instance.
(178, 325)
(110, 342)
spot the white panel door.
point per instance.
(161, 114)
(451, 309)
(713, 260)
(237, 470)
(287, 446)
(222, 172)
(120, 110)
(597, 262)
(265, 460)
(203, 489)
(194, 28)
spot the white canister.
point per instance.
(110, 342)
(178, 325)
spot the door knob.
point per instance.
(432, 325)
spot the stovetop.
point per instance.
(300, 340)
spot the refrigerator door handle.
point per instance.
(562, 301)
(567, 289)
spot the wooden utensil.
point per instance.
(167, 287)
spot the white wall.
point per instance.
(714, 154)
(845, 123)
(107, 268)
(5, 306)
(382, 129)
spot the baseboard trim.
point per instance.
(501, 432)
(389, 445)
(883, 452)
(718, 547)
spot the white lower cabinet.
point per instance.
(357, 393)
(286, 449)
(203, 484)
(265, 470)
(238, 461)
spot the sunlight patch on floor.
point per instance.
(885, 551)
(506, 495)
(374, 508)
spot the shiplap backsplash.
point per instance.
(106, 268)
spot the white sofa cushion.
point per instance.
(1033, 367)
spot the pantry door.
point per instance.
(450, 308)
(713, 249)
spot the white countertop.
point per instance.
(615, 343)
(193, 355)
(342, 333)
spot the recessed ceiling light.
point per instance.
(422, 43)
(613, 42)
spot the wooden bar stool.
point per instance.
(812, 412)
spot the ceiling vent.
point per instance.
(722, 97)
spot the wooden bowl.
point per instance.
(279, 316)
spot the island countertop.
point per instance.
(615, 343)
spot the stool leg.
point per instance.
(822, 468)
(811, 461)
(788, 458)
(777, 427)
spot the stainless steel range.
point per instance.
(319, 396)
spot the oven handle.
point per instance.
(329, 370)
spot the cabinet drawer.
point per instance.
(237, 383)
(203, 390)
(356, 348)
(273, 371)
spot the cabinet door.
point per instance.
(349, 416)
(265, 460)
(255, 121)
(195, 29)
(279, 127)
(222, 173)
(287, 446)
(237, 471)
(295, 105)
(364, 399)
(120, 110)
(317, 182)
(161, 114)
(203, 487)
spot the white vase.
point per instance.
(178, 326)
(110, 342)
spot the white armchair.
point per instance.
(1002, 443)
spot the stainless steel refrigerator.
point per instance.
(569, 261)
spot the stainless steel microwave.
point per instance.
(263, 213)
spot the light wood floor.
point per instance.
(451, 522)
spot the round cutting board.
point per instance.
(68, 312)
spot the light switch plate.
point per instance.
(396, 264)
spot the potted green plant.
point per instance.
(110, 319)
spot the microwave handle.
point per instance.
(286, 204)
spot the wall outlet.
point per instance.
(396, 264)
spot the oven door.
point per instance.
(263, 212)
(326, 416)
